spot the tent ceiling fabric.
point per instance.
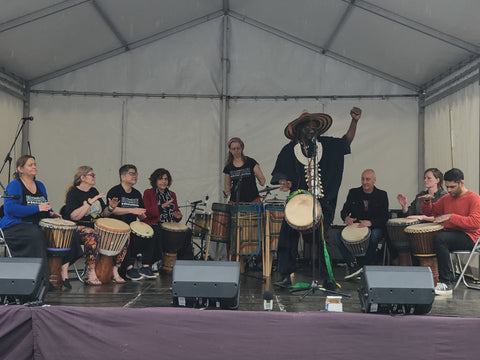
(413, 41)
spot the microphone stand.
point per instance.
(203, 230)
(314, 284)
(8, 158)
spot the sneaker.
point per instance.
(353, 270)
(329, 285)
(285, 282)
(147, 272)
(443, 289)
(133, 274)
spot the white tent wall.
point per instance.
(263, 64)
(386, 139)
(11, 109)
(457, 117)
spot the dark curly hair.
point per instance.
(157, 174)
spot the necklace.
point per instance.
(311, 169)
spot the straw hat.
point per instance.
(324, 121)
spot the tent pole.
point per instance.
(224, 102)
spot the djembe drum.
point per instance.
(58, 233)
(219, 227)
(421, 241)
(201, 225)
(299, 211)
(113, 234)
(356, 239)
(400, 239)
(173, 237)
(140, 234)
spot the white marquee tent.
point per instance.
(165, 83)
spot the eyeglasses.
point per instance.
(92, 175)
(132, 173)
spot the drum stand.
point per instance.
(201, 253)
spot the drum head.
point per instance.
(299, 210)
(402, 222)
(112, 225)
(221, 207)
(174, 226)
(353, 233)
(141, 229)
(56, 222)
(423, 228)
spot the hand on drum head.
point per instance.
(349, 220)
(421, 217)
(285, 185)
(365, 223)
(442, 218)
(178, 215)
(55, 215)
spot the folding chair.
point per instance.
(4, 245)
(463, 268)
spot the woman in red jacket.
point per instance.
(162, 207)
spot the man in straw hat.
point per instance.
(312, 163)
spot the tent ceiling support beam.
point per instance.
(431, 92)
(325, 52)
(451, 90)
(110, 24)
(318, 97)
(125, 94)
(437, 79)
(338, 27)
(452, 40)
(131, 46)
(12, 92)
(47, 11)
(11, 76)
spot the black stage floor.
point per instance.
(157, 293)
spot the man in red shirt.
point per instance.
(459, 211)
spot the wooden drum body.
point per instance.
(356, 239)
(246, 229)
(421, 241)
(173, 239)
(58, 233)
(112, 236)
(299, 211)
(274, 215)
(220, 228)
(400, 239)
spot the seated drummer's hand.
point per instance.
(55, 215)
(426, 197)
(349, 221)
(177, 215)
(285, 185)
(402, 199)
(365, 223)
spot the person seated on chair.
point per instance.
(84, 204)
(26, 205)
(130, 207)
(368, 206)
(293, 171)
(162, 207)
(433, 181)
(459, 211)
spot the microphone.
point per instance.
(195, 202)
(206, 201)
(268, 301)
(27, 118)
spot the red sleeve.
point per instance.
(469, 222)
(151, 207)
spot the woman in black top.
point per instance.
(241, 173)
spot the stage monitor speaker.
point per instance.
(206, 284)
(23, 280)
(396, 289)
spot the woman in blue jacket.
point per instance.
(26, 205)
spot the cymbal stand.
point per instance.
(203, 231)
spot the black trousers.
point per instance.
(288, 250)
(443, 243)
